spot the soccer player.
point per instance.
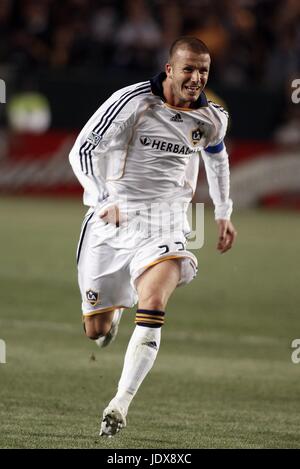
(141, 149)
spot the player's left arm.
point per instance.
(226, 235)
(216, 162)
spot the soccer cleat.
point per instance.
(111, 335)
(113, 420)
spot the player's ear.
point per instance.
(168, 70)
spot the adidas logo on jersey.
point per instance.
(176, 118)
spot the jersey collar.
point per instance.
(157, 89)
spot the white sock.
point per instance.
(139, 359)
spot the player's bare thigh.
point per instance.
(98, 325)
(154, 288)
(157, 283)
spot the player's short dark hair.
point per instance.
(188, 42)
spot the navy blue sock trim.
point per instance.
(149, 318)
(152, 326)
(155, 312)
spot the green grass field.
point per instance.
(223, 377)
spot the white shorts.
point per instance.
(110, 260)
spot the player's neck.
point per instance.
(170, 97)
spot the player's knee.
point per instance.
(93, 335)
(94, 330)
(153, 301)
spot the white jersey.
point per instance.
(138, 148)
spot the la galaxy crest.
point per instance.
(197, 133)
(93, 297)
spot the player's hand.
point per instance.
(111, 215)
(227, 235)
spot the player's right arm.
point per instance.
(112, 122)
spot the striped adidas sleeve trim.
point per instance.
(220, 108)
(106, 120)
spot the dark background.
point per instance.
(77, 52)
